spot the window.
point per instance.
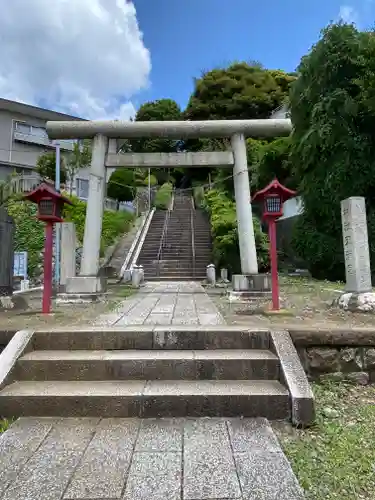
(83, 188)
(23, 128)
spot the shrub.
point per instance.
(222, 211)
(163, 196)
(29, 234)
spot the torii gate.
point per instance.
(105, 134)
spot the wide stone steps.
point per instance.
(219, 364)
(146, 399)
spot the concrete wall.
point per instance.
(14, 151)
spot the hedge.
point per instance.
(29, 234)
(222, 212)
(163, 196)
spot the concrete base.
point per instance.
(77, 298)
(356, 302)
(86, 285)
(248, 295)
(251, 283)
(13, 302)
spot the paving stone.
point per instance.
(267, 476)
(18, 444)
(155, 476)
(160, 434)
(252, 434)
(209, 469)
(185, 320)
(47, 473)
(158, 319)
(104, 467)
(210, 319)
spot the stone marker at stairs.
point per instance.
(358, 296)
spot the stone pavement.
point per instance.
(133, 459)
(165, 303)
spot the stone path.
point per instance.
(132, 459)
(165, 303)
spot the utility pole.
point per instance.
(57, 226)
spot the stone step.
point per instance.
(149, 337)
(157, 398)
(218, 364)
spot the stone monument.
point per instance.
(358, 294)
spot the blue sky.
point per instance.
(186, 37)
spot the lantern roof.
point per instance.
(46, 189)
(274, 188)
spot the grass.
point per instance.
(336, 458)
(5, 424)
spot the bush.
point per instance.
(222, 211)
(163, 197)
(29, 234)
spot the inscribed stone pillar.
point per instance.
(68, 252)
(356, 249)
(246, 239)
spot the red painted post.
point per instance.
(47, 285)
(273, 259)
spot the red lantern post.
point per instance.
(273, 196)
(50, 207)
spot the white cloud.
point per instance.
(348, 14)
(84, 57)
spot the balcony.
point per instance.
(28, 134)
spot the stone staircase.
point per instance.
(150, 248)
(177, 260)
(158, 372)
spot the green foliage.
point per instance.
(237, 92)
(152, 181)
(163, 196)
(46, 167)
(78, 159)
(160, 110)
(24, 214)
(121, 185)
(333, 144)
(222, 211)
(29, 233)
(274, 161)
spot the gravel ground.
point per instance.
(305, 302)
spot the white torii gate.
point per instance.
(105, 134)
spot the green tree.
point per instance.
(160, 110)
(241, 91)
(46, 167)
(78, 159)
(274, 161)
(333, 144)
(122, 185)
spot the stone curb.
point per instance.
(18, 345)
(295, 379)
(341, 336)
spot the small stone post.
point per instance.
(359, 295)
(211, 274)
(68, 252)
(224, 274)
(136, 277)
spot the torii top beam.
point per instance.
(170, 129)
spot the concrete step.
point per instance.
(218, 364)
(157, 398)
(149, 337)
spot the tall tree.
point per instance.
(122, 185)
(46, 167)
(333, 144)
(78, 159)
(239, 91)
